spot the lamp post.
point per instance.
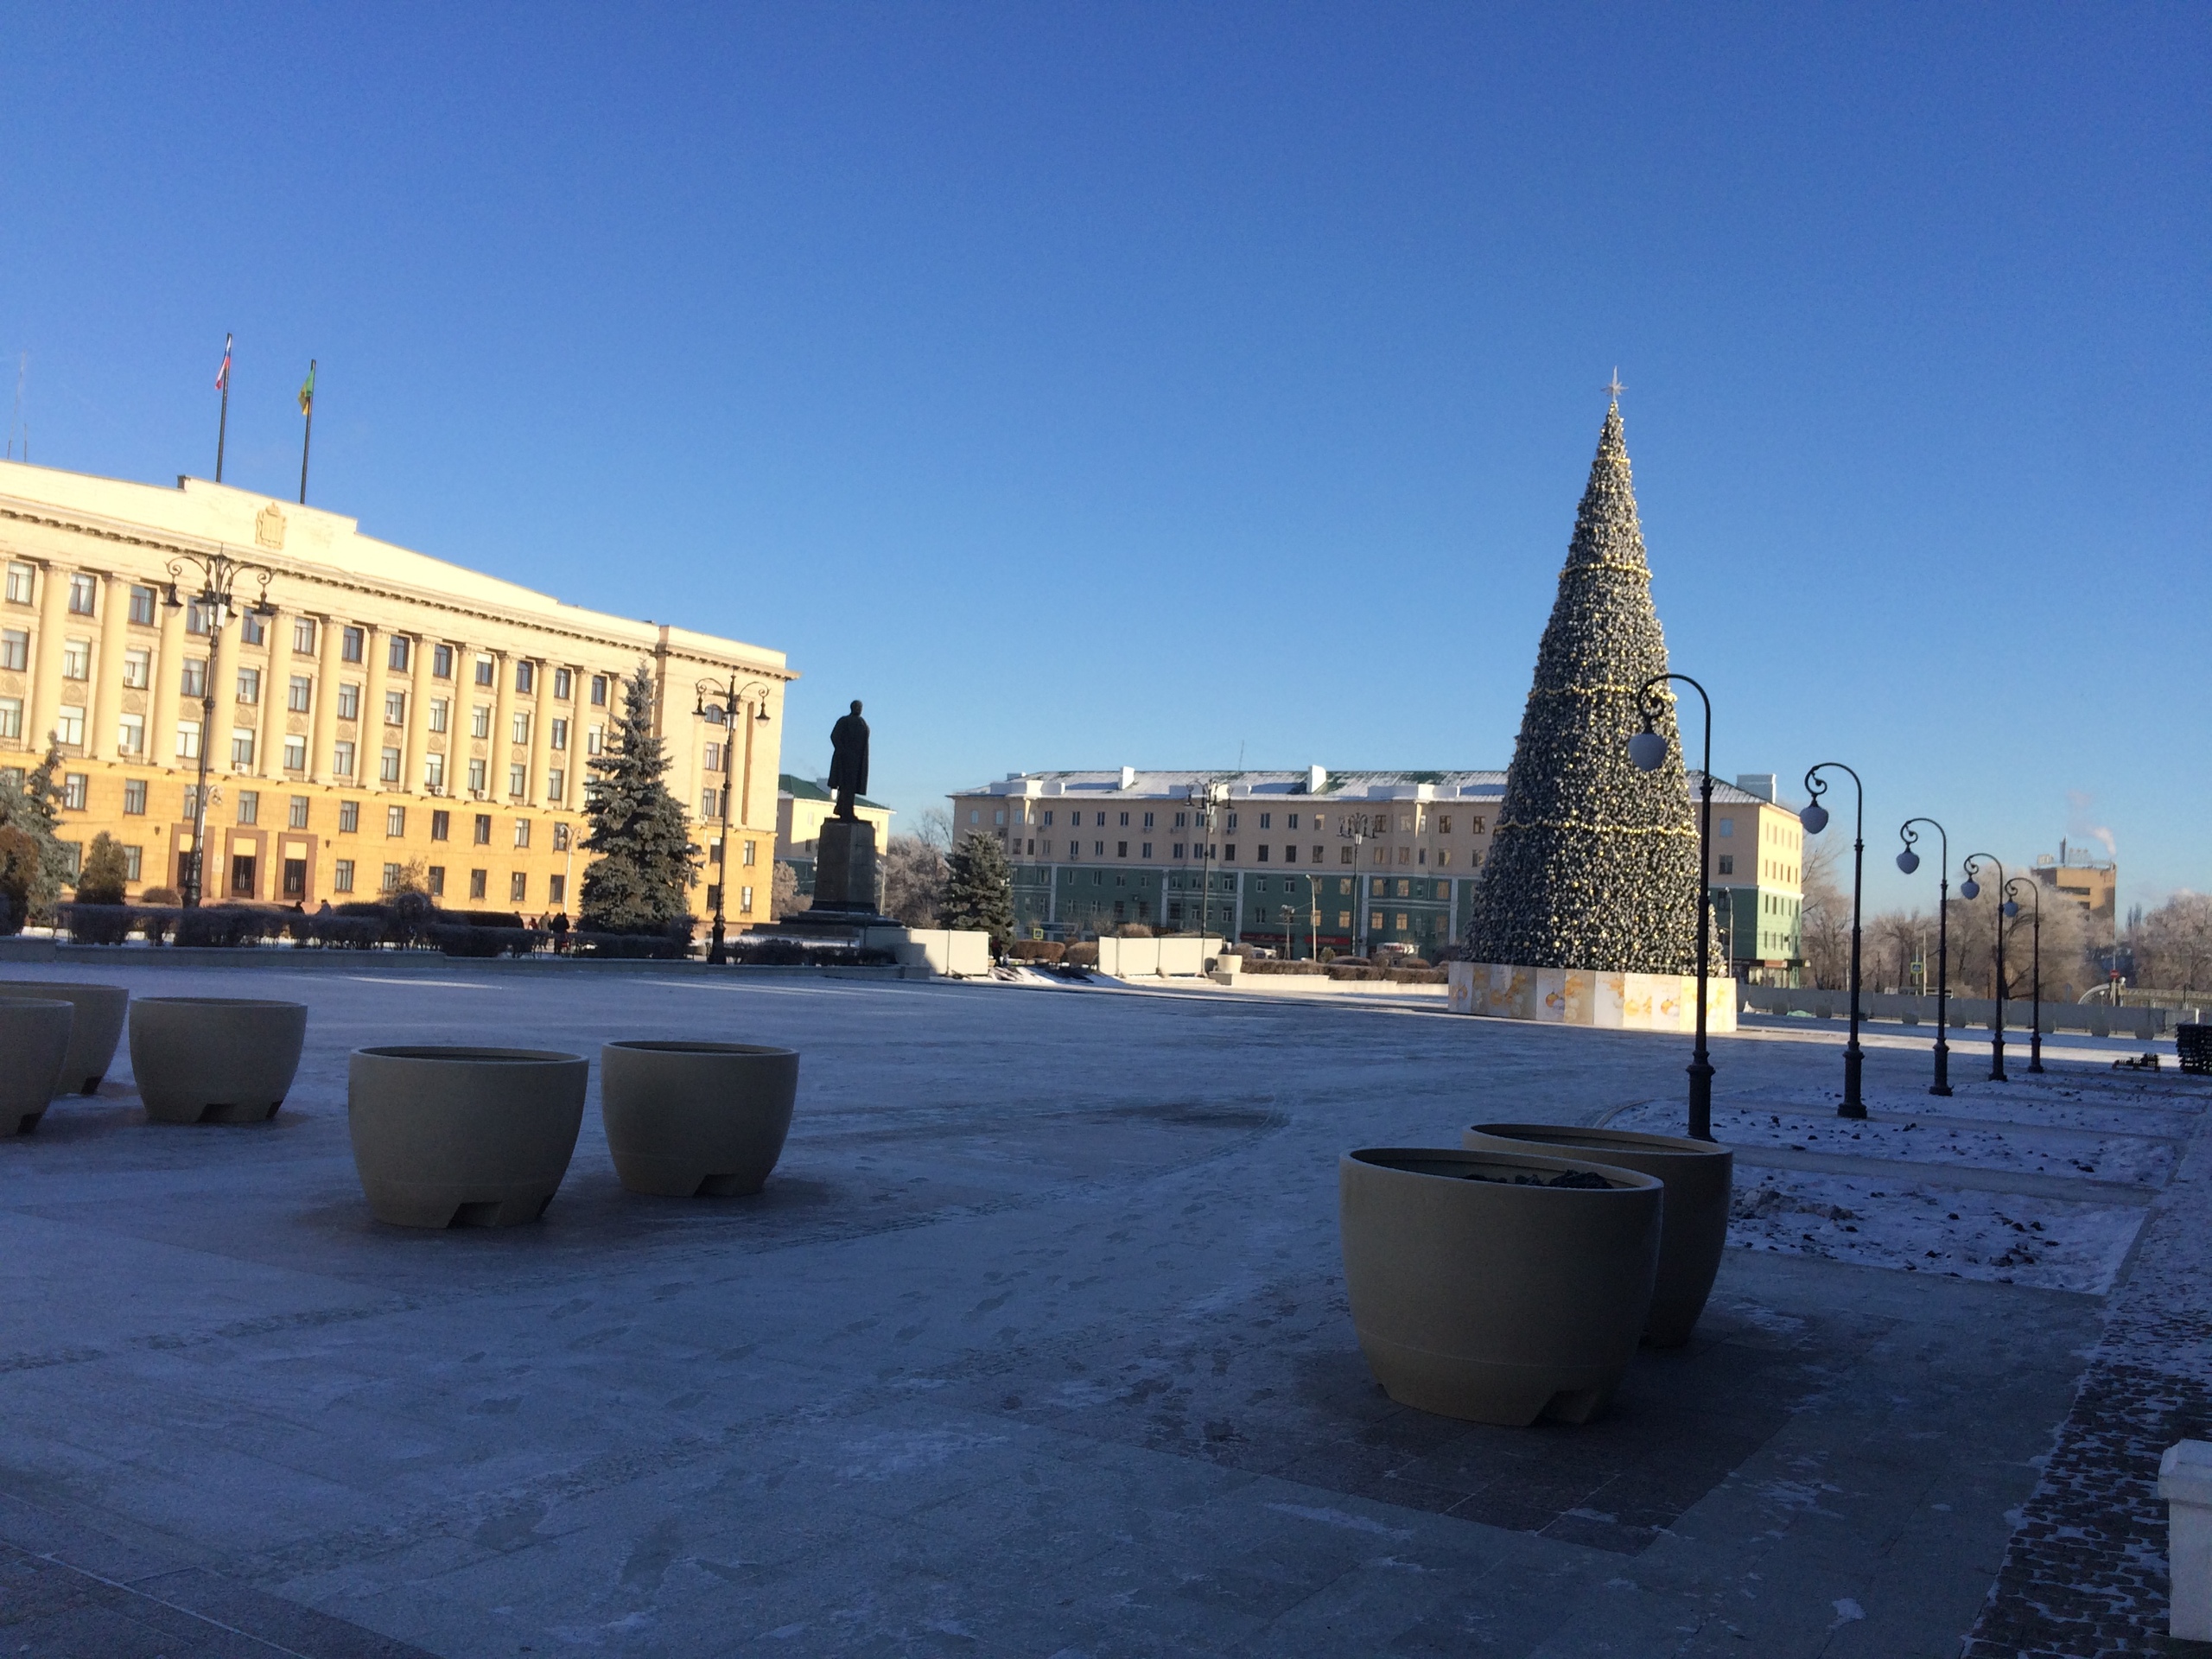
(1207, 797)
(1970, 890)
(2035, 936)
(1815, 817)
(725, 715)
(218, 575)
(1355, 828)
(1647, 751)
(1908, 861)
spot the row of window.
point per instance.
(1441, 822)
(1438, 891)
(1226, 852)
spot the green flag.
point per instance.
(306, 392)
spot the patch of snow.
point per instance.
(1329, 1517)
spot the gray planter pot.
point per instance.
(1699, 1178)
(214, 1060)
(463, 1137)
(1493, 1302)
(92, 1038)
(688, 1120)
(35, 1038)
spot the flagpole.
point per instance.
(223, 428)
(309, 439)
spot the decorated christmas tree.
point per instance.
(1594, 864)
(641, 881)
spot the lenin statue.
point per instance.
(849, 760)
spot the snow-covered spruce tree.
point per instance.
(1594, 864)
(30, 808)
(641, 881)
(978, 889)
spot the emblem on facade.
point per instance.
(269, 528)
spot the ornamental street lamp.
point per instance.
(1357, 828)
(218, 575)
(1815, 817)
(1970, 890)
(1647, 751)
(725, 714)
(1908, 861)
(2035, 936)
(1208, 798)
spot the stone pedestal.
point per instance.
(845, 870)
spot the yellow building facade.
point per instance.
(391, 716)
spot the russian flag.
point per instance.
(223, 374)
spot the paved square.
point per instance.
(1035, 1345)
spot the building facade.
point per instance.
(2090, 882)
(1306, 860)
(385, 717)
(801, 807)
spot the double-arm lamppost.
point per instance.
(1647, 751)
(1908, 861)
(1815, 817)
(725, 714)
(219, 574)
(2035, 936)
(1970, 890)
(1355, 828)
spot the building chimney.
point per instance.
(1761, 784)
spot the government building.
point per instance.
(1303, 861)
(384, 716)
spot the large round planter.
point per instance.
(463, 1137)
(214, 1060)
(92, 1037)
(1700, 1177)
(688, 1120)
(35, 1038)
(1478, 1298)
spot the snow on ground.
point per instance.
(2010, 1237)
(2037, 1149)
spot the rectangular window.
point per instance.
(81, 590)
(519, 781)
(440, 825)
(241, 746)
(710, 759)
(341, 760)
(187, 740)
(253, 630)
(476, 881)
(1726, 827)
(518, 887)
(480, 721)
(519, 729)
(1146, 851)
(1263, 845)
(436, 877)
(351, 644)
(349, 703)
(442, 662)
(388, 766)
(395, 707)
(73, 791)
(391, 878)
(19, 583)
(134, 863)
(526, 680)
(745, 901)
(560, 837)
(710, 804)
(395, 821)
(244, 875)
(399, 652)
(476, 777)
(441, 710)
(134, 797)
(190, 807)
(599, 690)
(563, 684)
(555, 781)
(299, 695)
(69, 726)
(15, 648)
(556, 889)
(341, 876)
(483, 671)
(433, 771)
(483, 829)
(138, 668)
(747, 856)
(76, 659)
(303, 636)
(595, 740)
(296, 814)
(559, 735)
(522, 832)
(197, 617)
(1178, 852)
(349, 817)
(192, 682)
(1727, 863)
(11, 721)
(249, 806)
(248, 686)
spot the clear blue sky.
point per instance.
(1152, 384)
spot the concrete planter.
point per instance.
(696, 1119)
(463, 1137)
(1698, 1176)
(92, 1037)
(1497, 1303)
(214, 1060)
(2185, 1482)
(35, 1037)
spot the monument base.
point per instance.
(847, 876)
(1588, 996)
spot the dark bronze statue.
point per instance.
(849, 760)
